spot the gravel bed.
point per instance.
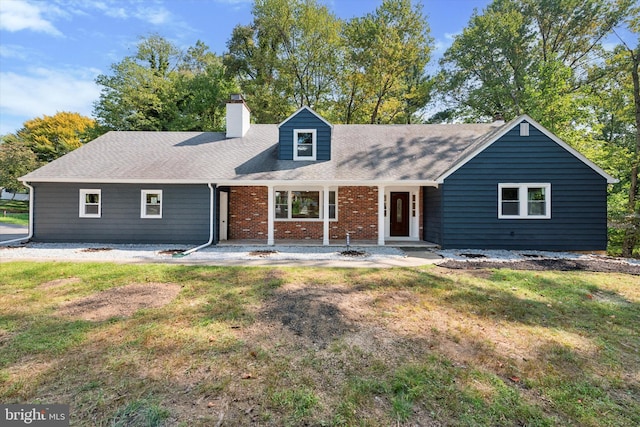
(537, 260)
(455, 259)
(156, 253)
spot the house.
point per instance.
(500, 185)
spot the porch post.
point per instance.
(381, 215)
(270, 214)
(325, 216)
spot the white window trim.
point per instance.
(522, 199)
(82, 205)
(143, 203)
(314, 144)
(289, 203)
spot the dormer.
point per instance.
(304, 136)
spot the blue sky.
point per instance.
(52, 50)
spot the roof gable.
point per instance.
(309, 110)
(492, 137)
(305, 136)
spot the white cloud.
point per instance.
(452, 36)
(153, 15)
(110, 10)
(45, 91)
(18, 15)
(14, 52)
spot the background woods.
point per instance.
(566, 63)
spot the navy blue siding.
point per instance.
(305, 119)
(578, 198)
(185, 214)
(432, 208)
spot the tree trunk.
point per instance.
(631, 231)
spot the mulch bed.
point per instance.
(596, 265)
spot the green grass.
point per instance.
(14, 212)
(371, 347)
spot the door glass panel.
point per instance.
(399, 210)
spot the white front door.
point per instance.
(224, 214)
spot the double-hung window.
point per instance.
(294, 205)
(90, 203)
(304, 144)
(524, 201)
(151, 204)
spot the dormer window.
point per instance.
(304, 141)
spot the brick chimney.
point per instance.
(238, 117)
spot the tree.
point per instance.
(50, 137)
(202, 89)
(286, 58)
(16, 160)
(140, 94)
(628, 60)
(386, 53)
(160, 88)
(528, 56)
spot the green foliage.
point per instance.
(486, 67)
(160, 88)
(528, 56)
(16, 159)
(286, 58)
(386, 53)
(296, 53)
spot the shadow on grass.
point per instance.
(187, 358)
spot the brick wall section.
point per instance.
(298, 230)
(248, 213)
(357, 213)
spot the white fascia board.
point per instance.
(115, 181)
(512, 124)
(311, 111)
(240, 182)
(331, 183)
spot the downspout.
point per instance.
(30, 235)
(212, 218)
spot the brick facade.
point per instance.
(248, 213)
(357, 213)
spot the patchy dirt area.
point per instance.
(51, 284)
(311, 313)
(602, 265)
(122, 301)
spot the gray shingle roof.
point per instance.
(359, 153)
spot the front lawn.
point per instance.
(14, 212)
(201, 346)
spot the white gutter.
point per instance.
(211, 225)
(250, 182)
(30, 235)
